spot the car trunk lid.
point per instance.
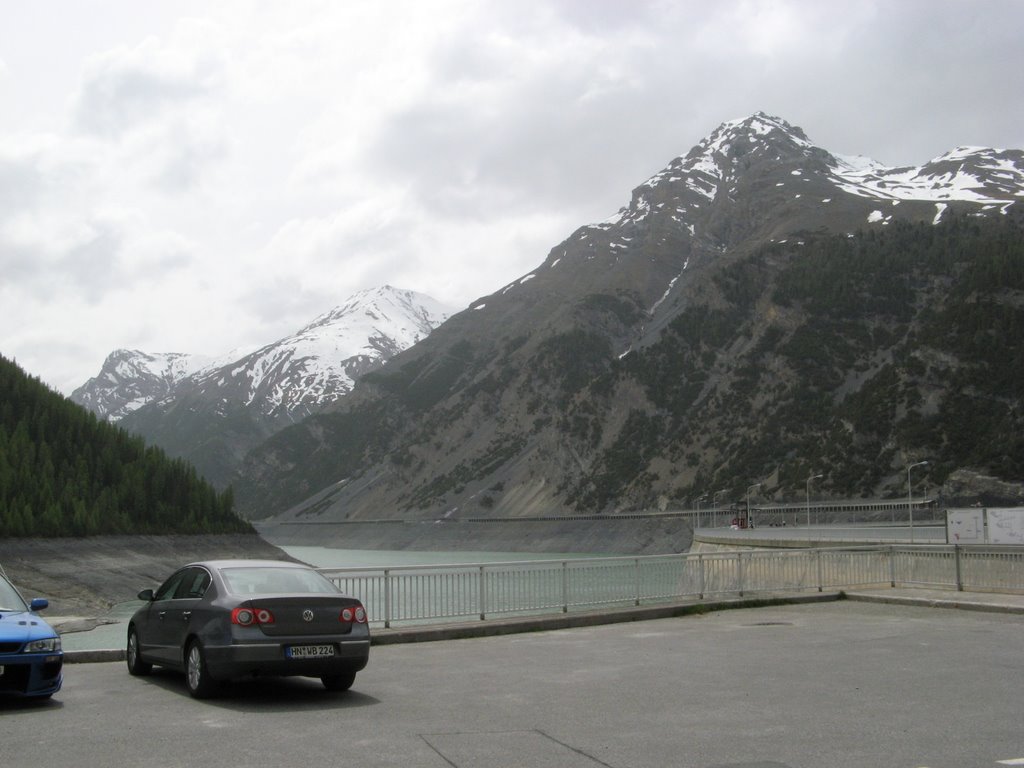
(304, 615)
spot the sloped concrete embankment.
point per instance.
(81, 577)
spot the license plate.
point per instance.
(309, 651)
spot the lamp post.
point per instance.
(812, 477)
(749, 488)
(714, 508)
(910, 499)
(702, 498)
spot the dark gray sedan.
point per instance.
(229, 619)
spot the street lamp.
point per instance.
(714, 508)
(910, 500)
(812, 477)
(749, 489)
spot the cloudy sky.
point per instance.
(200, 176)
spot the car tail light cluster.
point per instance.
(353, 614)
(248, 617)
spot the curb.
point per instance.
(928, 602)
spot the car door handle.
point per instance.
(185, 615)
(162, 614)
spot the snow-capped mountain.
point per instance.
(291, 376)
(212, 411)
(131, 378)
(764, 160)
(315, 366)
(762, 308)
(751, 181)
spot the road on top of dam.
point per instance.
(836, 685)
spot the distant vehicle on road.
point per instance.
(31, 659)
(229, 619)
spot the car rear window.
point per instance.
(263, 580)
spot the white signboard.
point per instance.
(1006, 526)
(965, 526)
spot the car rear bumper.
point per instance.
(234, 661)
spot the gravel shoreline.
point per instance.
(82, 578)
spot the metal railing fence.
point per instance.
(417, 594)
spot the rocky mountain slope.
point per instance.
(761, 311)
(212, 412)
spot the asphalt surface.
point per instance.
(837, 684)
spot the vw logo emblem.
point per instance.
(307, 615)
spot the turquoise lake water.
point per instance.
(112, 635)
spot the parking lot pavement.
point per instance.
(835, 684)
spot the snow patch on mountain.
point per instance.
(971, 174)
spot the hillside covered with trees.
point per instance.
(65, 473)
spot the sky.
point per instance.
(199, 177)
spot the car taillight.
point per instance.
(354, 613)
(246, 617)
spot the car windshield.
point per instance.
(10, 600)
(250, 580)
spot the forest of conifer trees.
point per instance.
(63, 472)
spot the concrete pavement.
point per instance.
(837, 683)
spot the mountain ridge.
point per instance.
(573, 387)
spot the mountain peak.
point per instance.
(758, 127)
(130, 378)
(762, 161)
(733, 147)
(760, 133)
(760, 145)
(418, 314)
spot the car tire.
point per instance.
(136, 666)
(197, 675)
(340, 682)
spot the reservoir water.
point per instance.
(324, 557)
(112, 634)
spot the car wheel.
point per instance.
(197, 676)
(340, 682)
(136, 666)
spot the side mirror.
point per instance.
(38, 603)
(146, 594)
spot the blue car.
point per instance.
(31, 660)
